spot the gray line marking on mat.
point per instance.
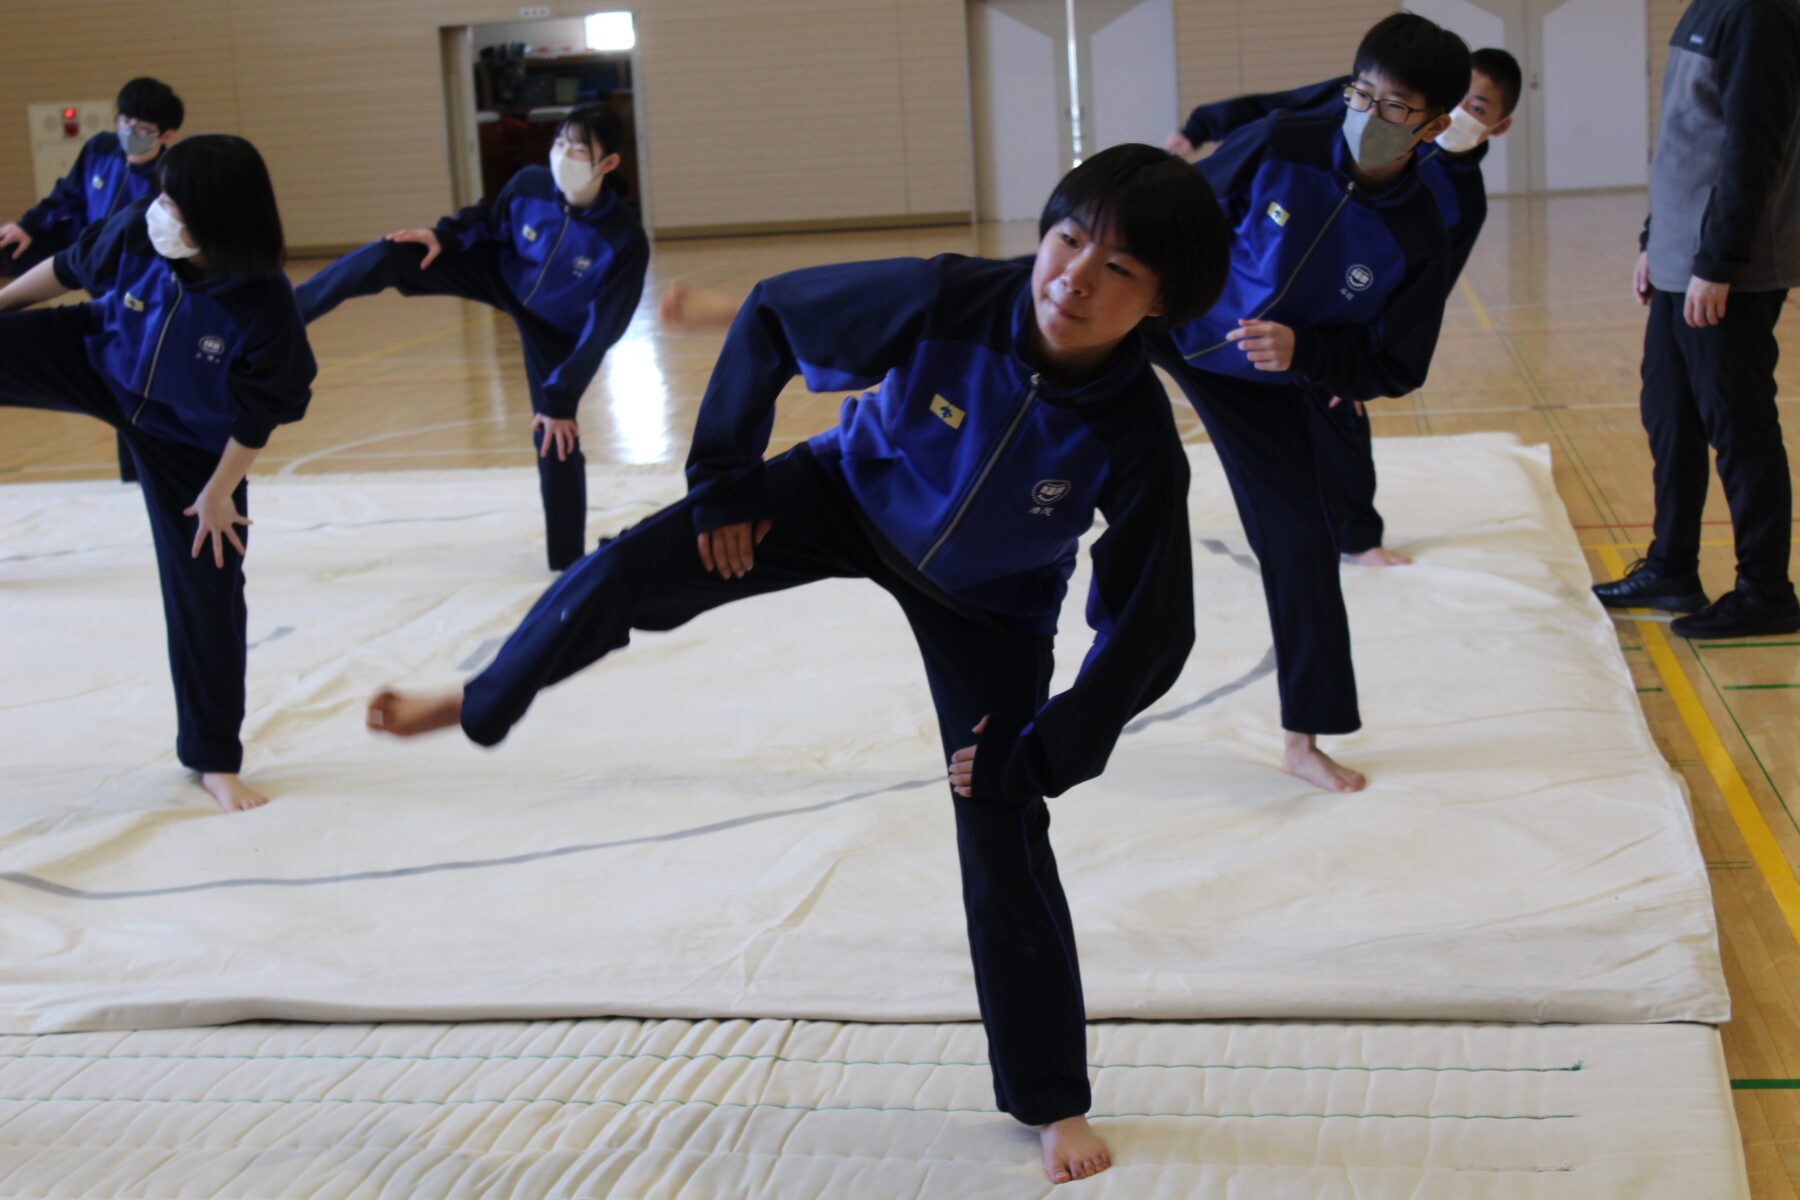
(1215, 546)
(36, 883)
(279, 632)
(678, 835)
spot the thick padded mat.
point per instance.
(745, 817)
(677, 1110)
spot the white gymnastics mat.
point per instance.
(746, 818)
(679, 1110)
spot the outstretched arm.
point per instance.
(33, 287)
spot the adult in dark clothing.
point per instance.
(1720, 250)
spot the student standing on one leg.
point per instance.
(1007, 406)
(1336, 289)
(1451, 168)
(1720, 250)
(559, 252)
(113, 170)
(194, 352)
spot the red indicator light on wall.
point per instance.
(71, 128)
(68, 114)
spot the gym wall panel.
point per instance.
(757, 110)
(1224, 47)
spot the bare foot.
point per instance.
(1302, 758)
(232, 793)
(1380, 556)
(694, 310)
(1072, 1150)
(409, 716)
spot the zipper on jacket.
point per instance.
(981, 477)
(549, 258)
(1349, 190)
(156, 355)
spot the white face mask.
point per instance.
(165, 232)
(571, 177)
(1465, 132)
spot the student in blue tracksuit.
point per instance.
(194, 351)
(113, 170)
(559, 252)
(1006, 405)
(1451, 167)
(1336, 289)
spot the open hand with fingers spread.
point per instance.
(218, 516)
(561, 432)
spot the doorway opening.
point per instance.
(509, 84)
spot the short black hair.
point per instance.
(1503, 69)
(222, 188)
(596, 125)
(1419, 55)
(1162, 211)
(152, 100)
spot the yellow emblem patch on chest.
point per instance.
(133, 303)
(530, 233)
(947, 412)
(1277, 214)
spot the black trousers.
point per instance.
(44, 365)
(1020, 935)
(474, 275)
(1269, 444)
(1716, 387)
(40, 249)
(1346, 459)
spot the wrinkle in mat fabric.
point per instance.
(747, 817)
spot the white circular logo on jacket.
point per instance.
(1359, 277)
(582, 264)
(212, 344)
(1049, 491)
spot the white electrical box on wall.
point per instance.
(58, 132)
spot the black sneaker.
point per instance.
(1643, 586)
(1741, 614)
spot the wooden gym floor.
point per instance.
(1542, 339)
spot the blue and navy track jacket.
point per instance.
(581, 271)
(192, 362)
(102, 182)
(976, 472)
(1359, 277)
(1454, 179)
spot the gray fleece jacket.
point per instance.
(1725, 182)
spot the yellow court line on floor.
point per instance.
(1764, 851)
(1646, 545)
(418, 341)
(1481, 313)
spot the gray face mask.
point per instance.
(1375, 143)
(136, 143)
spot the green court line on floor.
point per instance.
(1777, 872)
(1649, 689)
(1765, 1085)
(1749, 744)
(1741, 645)
(1756, 687)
